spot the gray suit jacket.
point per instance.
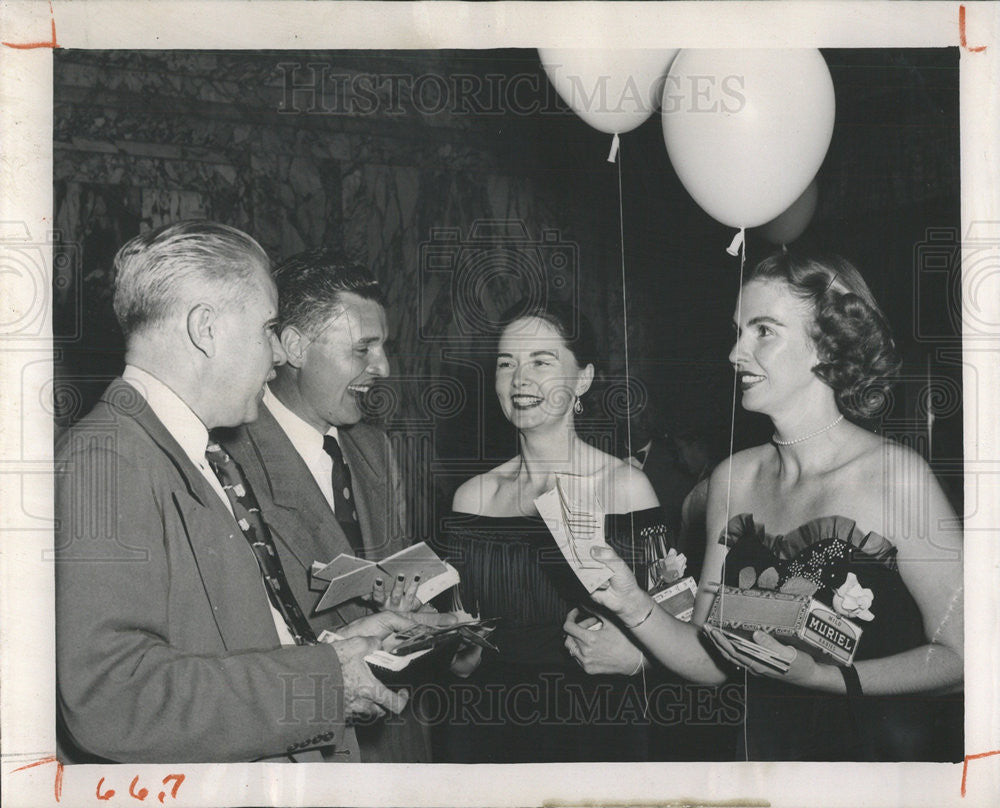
(306, 530)
(165, 645)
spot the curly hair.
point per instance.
(858, 358)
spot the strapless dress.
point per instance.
(784, 722)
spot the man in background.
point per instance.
(177, 636)
(327, 482)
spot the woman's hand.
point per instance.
(622, 594)
(402, 597)
(600, 647)
(803, 670)
(466, 660)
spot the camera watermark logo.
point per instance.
(467, 282)
(964, 275)
(31, 283)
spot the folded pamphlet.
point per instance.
(346, 577)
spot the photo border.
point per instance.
(31, 775)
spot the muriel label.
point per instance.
(833, 634)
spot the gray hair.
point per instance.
(155, 271)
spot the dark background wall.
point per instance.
(409, 160)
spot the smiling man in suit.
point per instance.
(327, 482)
(177, 637)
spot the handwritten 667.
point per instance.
(139, 793)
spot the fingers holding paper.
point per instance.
(399, 594)
(622, 593)
(765, 656)
(403, 597)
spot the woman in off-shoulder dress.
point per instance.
(531, 702)
(826, 508)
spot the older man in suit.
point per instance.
(177, 636)
(327, 482)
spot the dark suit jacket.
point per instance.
(165, 645)
(306, 530)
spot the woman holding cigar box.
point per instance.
(826, 510)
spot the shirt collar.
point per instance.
(308, 442)
(179, 419)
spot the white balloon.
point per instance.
(747, 130)
(788, 226)
(612, 90)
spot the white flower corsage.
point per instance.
(852, 600)
(672, 567)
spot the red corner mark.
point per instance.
(965, 765)
(59, 766)
(51, 43)
(961, 39)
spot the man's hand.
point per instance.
(365, 697)
(382, 624)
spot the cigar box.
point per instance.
(796, 620)
(677, 598)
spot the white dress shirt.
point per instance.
(308, 442)
(187, 429)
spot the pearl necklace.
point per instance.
(829, 426)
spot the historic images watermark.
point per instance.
(552, 700)
(321, 88)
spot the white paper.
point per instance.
(571, 515)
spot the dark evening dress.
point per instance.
(532, 703)
(784, 722)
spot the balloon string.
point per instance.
(739, 243)
(613, 156)
(628, 385)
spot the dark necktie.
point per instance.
(255, 529)
(343, 496)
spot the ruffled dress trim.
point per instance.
(788, 546)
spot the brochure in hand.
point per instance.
(575, 517)
(347, 577)
(409, 656)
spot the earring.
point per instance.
(578, 407)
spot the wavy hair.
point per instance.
(575, 330)
(568, 321)
(310, 284)
(858, 358)
(159, 271)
